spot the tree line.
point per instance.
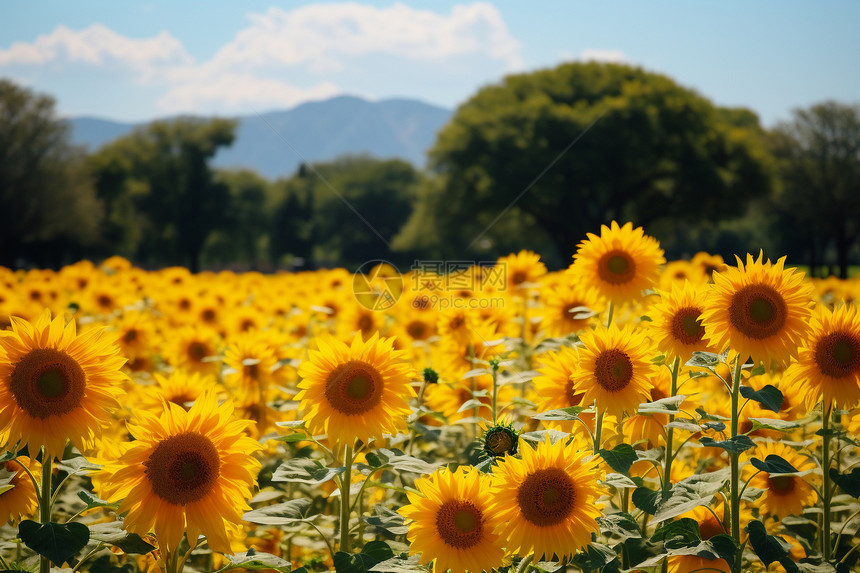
(535, 161)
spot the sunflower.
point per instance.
(783, 494)
(547, 500)
(614, 370)
(690, 563)
(195, 349)
(621, 263)
(521, 270)
(555, 389)
(21, 500)
(185, 472)
(759, 309)
(355, 392)
(55, 385)
(452, 523)
(828, 362)
(560, 314)
(180, 388)
(675, 325)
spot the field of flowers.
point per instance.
(625, 414)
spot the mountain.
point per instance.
(319, 131)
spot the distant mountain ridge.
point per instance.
(319, 131)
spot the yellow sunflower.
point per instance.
(55, 385)
(554, 388)
(783, 494)
(614, 370)
(691, 563)
(559, 301)
(21, 500)
(521, 269)
(758, 309)
(828, 362)
(185, 472)
(675, 325)
(620, 263)
(547, 500)
(452, 523)
(355, 392)
(180, 388)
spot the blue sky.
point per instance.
(138, 60)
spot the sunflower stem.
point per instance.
(345, 482)
(495, 389)
(670, 434)
(825, 468)
(735, 459)
(45, 504)
(610, 312)
(598, 430)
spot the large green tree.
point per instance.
(818, 154)
(571, 148)
(178, 200)
(48, 208)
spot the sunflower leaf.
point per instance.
(561, 414)
(620, 525)
(646, 499)
(77, 465)
(305, 470)
(678, 533)
(773, 464)
(737, 444)
(772, 424)
(472, 404)
(769, 396)
(694, 491)
(618, 481)
(620, 458)
(769, 548)
(59, 542)
(849, 482)
(373, 553)
(113, 533)
(704, 360)
(596, 556)
(251, 559)
(387, 519)
(401, 564)
(669, 405)
(400, 461)
(92, 501)
(279, 514)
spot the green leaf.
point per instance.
(677, 533)
(694, 491)
(113, 533)
(618, 481)
(285, 513)
(372, 554)
(619, 525)
(849, 482)
(737, 444)
(56, 541)
(595, 556)
(773, 464)
(541, 435)
(704, 360)
(251, 559)
(571, 413)
(669, 405)
(77, 465)
(758, 370)
(387, 519)
(472, 404)
(685, 426)
(620, 458)
(770, 397)
(715, 426)
(305, 470)
(400, 461)
(646, 499)
(292, 438)
(401, 564)
(772, 424)
(92, 501)
(724, 546)
(769, 548)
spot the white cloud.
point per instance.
(98, 45)
(234, 92)
(611, 56)
(306, 42)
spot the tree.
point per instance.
(48, 208)
(615, 142)
(818, 154)
(177, 197)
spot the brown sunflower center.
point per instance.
(613, 370)
(571, 316)
(518, 277)
(354, 387)
(686, 326)
(130, 335)
(105, 301)
(182, 399)
(574, 398)
(547, 497)
(838, 354)
(182, 469)
(208, 315)
(197, 351)
(47, 382)
(365, 323)
(781, 484)
(417, 330)
(460, 523)
(616, 267)
(758, 311)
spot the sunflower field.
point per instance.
(624, 414)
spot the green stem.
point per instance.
(598, 430)
(610, 312)
(524, 564)
(670, 434)
(45, 505)
(345, 483)
(735, 463)
(825, 467)
(495, 391)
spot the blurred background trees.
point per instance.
(535, 161)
